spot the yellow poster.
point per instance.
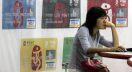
(38, 54)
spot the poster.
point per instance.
(67, 48)
(60, 13)
(38, 54)
(117, 10)
(18, 14)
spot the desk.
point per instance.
(118, 55)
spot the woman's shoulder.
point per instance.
(83, 28)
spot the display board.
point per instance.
(61, 13)
(117, 10)
(18, 14)
(38, 54)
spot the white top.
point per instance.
(82, 42)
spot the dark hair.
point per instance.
(91, 19)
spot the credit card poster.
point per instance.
(61, 13)
(38, 54)
(67, 48)
(18, 14)
(117, 10)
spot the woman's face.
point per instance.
(101, 22)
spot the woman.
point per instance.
(88, 37)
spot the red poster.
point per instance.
(61, 13)
(117, 10)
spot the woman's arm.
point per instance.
(115, 44)
(97, 50)
(105, 42)
(114, 34)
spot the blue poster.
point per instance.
(18, 14)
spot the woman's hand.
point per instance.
(119, 49)
(123, 48)
(102, 68)
(110, 24)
